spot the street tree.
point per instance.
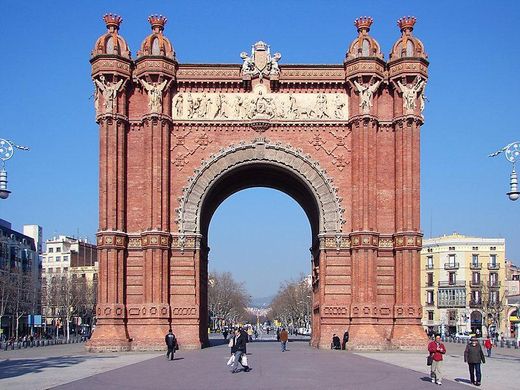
(227, 299)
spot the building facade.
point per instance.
(513, 298)
(463, 284)
(69, 266)
(19, 280)
(177, 139)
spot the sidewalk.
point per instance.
(499, 371)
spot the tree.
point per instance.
(493, 306)
(6, 291)
(227, 299)
(23, 296)
(292, 304)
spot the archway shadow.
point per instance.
(17, 367)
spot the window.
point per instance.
(452, 248)
(493, 279)
(65, 258)
(452, 277)
(493, 248)
(50, 270)
(50, 250)
(58, 258)
(65, 269)
(476, 278)
(475, 248)
(474, 260)
(429, 297)
(451, 259)
(429, 262)
(58, 249)
(493, 259)
(493, 297)
(430, 279)
(430, 250)
(50, 258)
(452, 315)
(430, 315)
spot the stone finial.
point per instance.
(406, 23)
(157, 22)
(363, 23)
(112, 21)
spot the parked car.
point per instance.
(464, 336)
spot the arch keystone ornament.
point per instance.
(177, 139)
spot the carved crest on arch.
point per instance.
(263, 151)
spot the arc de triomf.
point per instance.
(177, 139)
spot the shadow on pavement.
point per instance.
(17, 367)
(462, 380)
(426, 379)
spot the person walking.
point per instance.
(345, 340)
(436, 349)
(239, 348)
(225, 334)
(474, 356)
(488, 344)
(171, 343)
(284, 337)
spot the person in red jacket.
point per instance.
(488, 344)
(436, 350)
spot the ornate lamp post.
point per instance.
(512, 154)
(6, 152)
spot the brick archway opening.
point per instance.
(259, 164)
(255, 175)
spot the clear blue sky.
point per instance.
(46, 104)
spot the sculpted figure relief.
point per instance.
(410, 94)
(155, 91)
(109, 92)
(272, 66)
(366, 92)
(248, 66)
(259, 104)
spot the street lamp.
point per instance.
(512, 154)
(6, 152)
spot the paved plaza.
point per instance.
(302, 367)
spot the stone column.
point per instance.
(187, 260)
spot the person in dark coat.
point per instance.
(239, 348)
(335, 342)
(246, 338)
(345, 340)
(474, 356)
(171, 343)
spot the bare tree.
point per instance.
(22, 297)
(227, 299)
(292, 305)
(493, 306)
(6, 290)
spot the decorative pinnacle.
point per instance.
(363, 23)
(112, 21)
(157, 22)
(406, 23)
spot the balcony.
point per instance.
(447, 284)
(430, 304)
(475, 283)
(429, 284)
(429, 266)
(475, 303)
(449, 303)
(493, 266)
(451, 266)
(493, 284)
(475, 266)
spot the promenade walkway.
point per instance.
(302, 367)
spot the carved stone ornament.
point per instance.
(410, 94)
(260, 63)
(109, 92)
(259, 104)
(264, 152)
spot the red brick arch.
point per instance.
(177, 139)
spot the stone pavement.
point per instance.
(302, 367)
(499, 371)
